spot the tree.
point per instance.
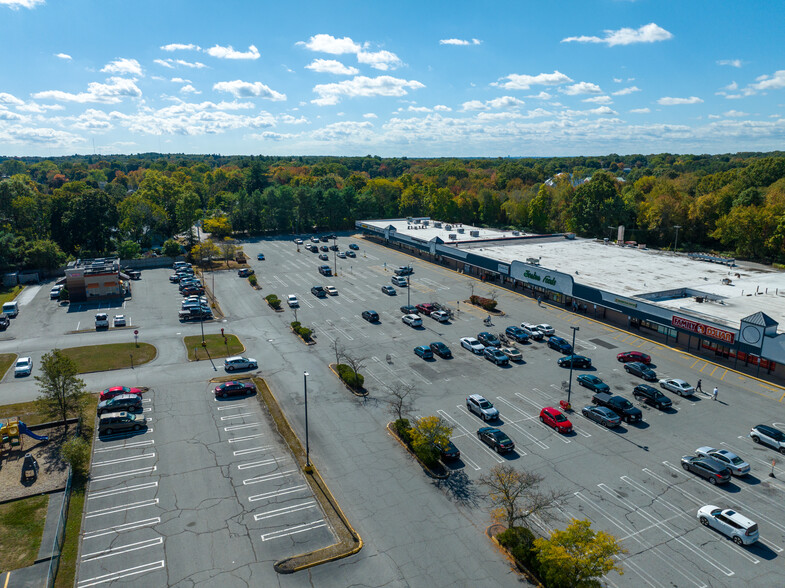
(428, 434)
(577, 557)
(62, 393)
(516, 497)
(205, 250)
(337, 347)
(401, 399)
(44, 254)
(129, 250)
(228, 248)
(171, 248)
(76, 451)
(218, 227)
(356, 363)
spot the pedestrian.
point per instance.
(698, 386)
(714, 394)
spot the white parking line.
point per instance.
(534, 418)
(284, 492)
(268, 477)
(341, 331)
(144, 568)
(242, 415)
(98, 464)
(246, 438)
(123, 474)
(280, 281)
(472, 436)
(121, 490)
(322, 331)
(294, 530)
(126, 446)
(286, 510)
(114, 509)
(121, 528)
(122, 549)
(768, 465)
(257, 464)
(232, 407)
(251, 450)
(521, 429)
(238, 427)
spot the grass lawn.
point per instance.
(113, 356)
(21, 529)
(6, 361)
(8, 294)
(216, 346)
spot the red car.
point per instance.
(554, 418)
(626, 356)
(426, 308)
(234, 388)
(116, 390)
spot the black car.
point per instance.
(636, 368)
(495, 439)
(713, 471)
(448, 451)
(576, 361)
(333, 247)
(559, 344)
(319, 291)
(651, 396)
(409, 309)
(5, 322)
(323, 256)
(244, 272)
(325, 270)
(489, 339)
(350, 254)
(354, 246)
(518, 334)
(234, 389)
(370, 315)
(441, 349)
(324, 248)
(593, 383)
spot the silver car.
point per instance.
(739, 528)
(413, 320)
(736, 465)
(600, 414)
(239, 362)
(481, 407)
(677, 386)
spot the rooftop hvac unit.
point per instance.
(425, 223)
(437, 224)
(472, 233)
(453, 236)
(533, 260)
(448, 227)
(460, 230)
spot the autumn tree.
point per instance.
(428, 435)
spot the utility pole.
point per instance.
(409, 290)
(307, 448)
(676, 243)
(569, 388)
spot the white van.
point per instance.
(399, 281)
(11, 309)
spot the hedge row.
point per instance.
(350, 377)
(304, 332)
(428, 455)
(253, 281)
(273, 301)
(486, 303)
(519, 541)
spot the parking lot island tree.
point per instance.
(578, 556)
(61, 392)
(355, 363)
(428, 434)
(401, 398)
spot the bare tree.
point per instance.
(338, 349)
(471, 288)
(356, 363)
(516, 497)
(228, 249)
(493, 295)
(402, 397)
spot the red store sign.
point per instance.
(703, 330)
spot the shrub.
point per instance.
(404, 430)
(486, 303)
(350, 377)
(76, 451)
(304, 332)
(428, 454)
(273, 301)
(519, 541)
(296, 325)
(252, 280)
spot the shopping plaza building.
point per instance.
(701, 303)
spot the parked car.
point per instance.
(325, 270)
(554, 418)
(601, 414)
(769, 436)
(323, 257)
(234, 388)
(314, 239)
(652, 396)
(423, 351)
(54, 293)
(740, 529)
(677, 386)
(512, 353)
(399, 281)
(324, 248)
(532, 331)
(389, 290)
(637, 368)
(193, 290)
(23, 367)
(298, 241)
(132, 273)
(426, 308)
(481, 407)
(319, 291)
(736, 465)
(441, 349)
(244, 272)
(370, 315)
(101, 320)
(126, 402)
(341, 255)
(545, 329)
(618, 404)
(409, 309)
(331, 290)
(404, 270)
(292, 301)
(560, 345)
(175, 278)
(413, 320)
(440, 316)
(238, 362)
(350, 254)
(517, 333)
(593, 383)
(489, 339)
(495, 355)
(5, 322)
(713, 471)
(118, 422)
(448, 451)
(119, 320)
(575, 361)
(626, 356)
(354, 246)
(116, 391)
(260, 257)
(495, 439)
(472, 345)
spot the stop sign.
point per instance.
(136, 331)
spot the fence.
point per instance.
(57, 544)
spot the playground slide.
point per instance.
(24, 430)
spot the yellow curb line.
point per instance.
(414, 455)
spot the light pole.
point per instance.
(409, 290)
(676, 242)
(569, 388)
(307, 448)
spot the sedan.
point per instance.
(626, 356)
(331, 290)
(389, 290)
(495, 439)
(260, 257)
(292, 301)
(600, 414)
(245, 272)
(489, 339)
(370, 315)
(554, 418)
(354, 246)
(495, 355)
(117, 390)
(517, 333)
(234, 388)
(559, 344)
(409, 309)
(54, 293)
(351, 254)
(441, 349)
(23, 366)
(545, 329)
(575, 361)
(119, 320)
(472, 345)
(713, 471)
(298, 241)
(341, 255)
(739, 528)
(423, 351)
(448, 451)
(637, 368)
(736, 465)
(512, 353)
(593, 383)
(323, 256)
(324, 248)
(412, 320)
(677, 386)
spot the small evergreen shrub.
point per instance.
(273, 301)
(348, 375)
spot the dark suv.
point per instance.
(651, 396)
(517, 333)
(371, 316)
(636, 368)
(560, 344)
(319, 291)
(489, 339)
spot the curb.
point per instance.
(518, 566)
(345, 385)
(312, 342)
(428, 471)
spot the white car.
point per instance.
(238, 362)
(23, 367)
(101, 320)
(677, 386)
(736, 465)
(742, 530)
(298, 241)
(331, 290)
(440, 316)
(292, 301)
(545, 329)
(472, 345)
(532, 331)
(341, 255)
(54, 293)
(119, 320)
(512, 353)
(413, 320)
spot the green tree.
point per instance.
(428, 434)
(596, 204)
(218, 226)
(61, 392)
(578, 556)
(129, 250)
(171, 248)
(44, 254)
(76, 451)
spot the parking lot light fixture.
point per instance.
(569, 387)
(307, 447)
(408, 290)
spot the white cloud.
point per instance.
(330, 94)
(164, 62)
(170, 63)
(474, 105)
(17, 4)
(7, 115)
(181, 81)
(524, 82)
(344, 130)
(730, 62)
(599, 100)
(462, 42)
(618, 80)
(181, 47)
(189, 89)
(331, 66)
(39, 108)
(503, 102)
(735, 113)
(669, 101)
(541, 96)
(582, 88)
(6, 98)
(370, 115)
(63, 56)
(242, 89)
(442, 108)
(111, 92)
(290, 120)
(640, 110)
(123, 66)
(230, 53)
(417, 109)
(39, 136)
(381, 60)
(329, 44)
(649, 33)
(773, 82)
(626, 91)
(270, 136)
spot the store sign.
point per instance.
(703, 330)
(624, 302)
(504, 269)
(538, 276)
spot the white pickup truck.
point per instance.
(101, 320)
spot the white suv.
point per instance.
(769, 436)
(239, 362)
(532, 331)
(101, 320)
(742, 530)
(481, 407)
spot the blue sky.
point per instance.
(417, 79)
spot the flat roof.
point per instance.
(425, 228)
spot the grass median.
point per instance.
(215, 346)
(21, 530)
(9, 294)
(112, 356)
(6, 361)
